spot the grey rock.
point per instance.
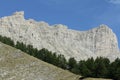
(99, 41)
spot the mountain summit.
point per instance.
(100, 41)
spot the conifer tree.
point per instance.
(83, 69)
(71, 63)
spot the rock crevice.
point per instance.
(100, 41)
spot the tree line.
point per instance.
(97, 68)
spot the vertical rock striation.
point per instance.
(100, 41)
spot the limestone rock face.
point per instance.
(100, 41)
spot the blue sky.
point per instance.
(76, 14)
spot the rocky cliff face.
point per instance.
(100, 41)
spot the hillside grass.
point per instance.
(17, 65)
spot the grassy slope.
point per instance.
(16, 65)
(96, 79)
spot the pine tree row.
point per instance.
(98, 68)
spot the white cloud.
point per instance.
(114, 1)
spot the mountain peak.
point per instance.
(103, 26)
(20, 13)
(100, 41)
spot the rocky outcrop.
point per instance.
(100, 41)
